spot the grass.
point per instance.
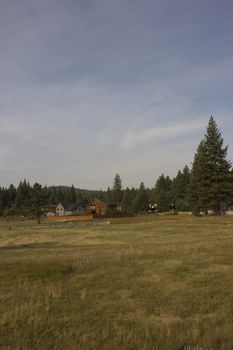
(163, 282)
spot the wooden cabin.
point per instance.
(96, 207)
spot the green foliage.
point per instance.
(141, 201)
(37, 201)
(127, 201)
(109, 195)
(211, 178)
(23, 200)
(180, 187)
(163, 194)
(23, 197)
(117, 189)
(73, 195)
(7, 198)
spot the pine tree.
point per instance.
(127, 201)
(141, 201)
(162, 193)
(180, 187)
(129, 198)
(197, 180)
(109, 195)
(80, 197)
(52, 195)
(73, 195)
(23, 197)
(60, 195)
(117, 189)
(37, 201)
(211, 179)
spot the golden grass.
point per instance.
(151, 282)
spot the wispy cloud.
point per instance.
(134, 139)
(110, 85)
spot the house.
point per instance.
(63, 209)
(50, 211)
(97, 207)
(115, 207)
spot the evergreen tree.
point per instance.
(180, 187)
(37, 201)
(11, 194)
(52, 195)
(60, 195)
(127, 201)
(109, 195)
(163, 195)
(73, 195)
(117, 189)
(2, 201)
(141, 201)
(211, 179)
(67, 194)
(23, 198)
(197, 183)
(80, 197)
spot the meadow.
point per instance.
(150, 282)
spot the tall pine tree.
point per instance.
(117, 189)
(211, 179)
(37, 201)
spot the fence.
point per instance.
(70, 218)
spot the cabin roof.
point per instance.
(70, 206)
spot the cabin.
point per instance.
(96, 207)
(50, 211)
(63, 209)
(115, 208)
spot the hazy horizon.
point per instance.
(94, 88)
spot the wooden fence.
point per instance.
(70, 218)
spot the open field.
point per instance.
(163, 282)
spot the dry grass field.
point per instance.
(163, 282)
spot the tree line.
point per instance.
(208, 185)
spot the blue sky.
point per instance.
(90, 88)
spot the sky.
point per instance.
(91, 88)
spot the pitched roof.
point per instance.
(97, 202)
(70, 206)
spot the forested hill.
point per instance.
(85, 193)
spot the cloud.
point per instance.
(133, 139)
(109, 86)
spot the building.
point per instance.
(115, 207)
(63, 209)
(50, 211)
(96, 207)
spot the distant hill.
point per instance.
(87, 194)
